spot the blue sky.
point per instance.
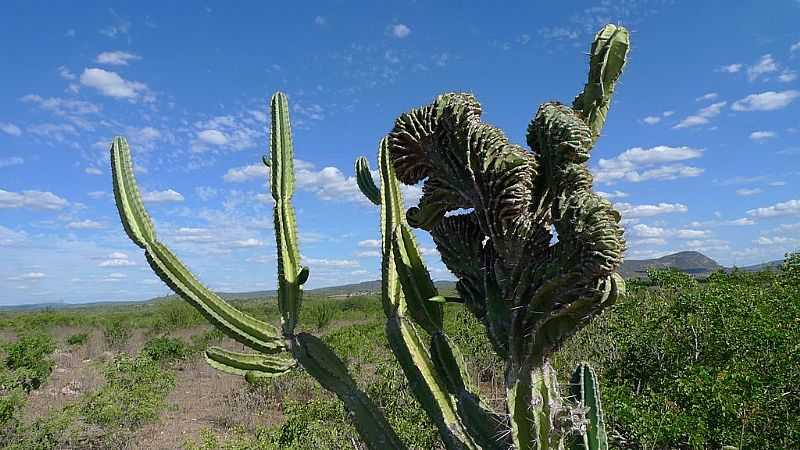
(701, 150)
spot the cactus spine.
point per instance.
(529, 294)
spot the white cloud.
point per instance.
(709, 96)
(701, 117)
(10, 237)
(12, 161)
(400, 30)
(764, 66)
(241, 174)
(117, 262)
(368, 254)
(10, 128)
(787, 75)
(28, 276)
(640, 164)
(745, 192)
(111, 84)
(93, 171)
(85, 225)
(762, 135)
(776, 240)
(213, 137)
(651, 120)
(630, 211)
(37, 200)
(117, 58)
(369, 243)
(168, 195)
(766, 101)
(65, 73)
(338, 263)
(787, 208)
(795, 47)
(118, 255)
(614, 194)
(649, 232)
(731, 68)
(247, 243)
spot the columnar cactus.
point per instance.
(531, 294)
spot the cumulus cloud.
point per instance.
(764, 66)
(323, 262)
(766, 101)
(28, 276)
(787, 208)
(213, 137)
(400, 30)
(166, 196)
(111, 84)
(795, 47)
(62, 106)
(630, 211)
(117, 58)
(701, 117)
(36, 200)
(640, 164)
(731, 68)
(709, 96)
(247, 243)
(369, 243)
(85, 225)
(10, 128)
(242, 174)
(612, 195)
(651, 120)
(92, 171)
(762, 135)
(745, 192)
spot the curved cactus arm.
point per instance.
(416, 282)
(365, 181)
(391, 216)
(607, 59)
(242, 327)
(321, 363)
(248, 364)
(282, 185)
(586, 391)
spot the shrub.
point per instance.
(116, 332)
(134, 393)
(321, 313)
(78, 339)
(166, 349)
(29, 356)
(704, 366)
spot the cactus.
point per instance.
(530, 294)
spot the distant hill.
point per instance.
(693, 263)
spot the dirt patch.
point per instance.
(204, 398)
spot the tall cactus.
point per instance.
(529, 293)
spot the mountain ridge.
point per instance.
(691, 262)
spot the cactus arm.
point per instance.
(518, 403)
(415, 281)
(391, 215)
(282, 187)
(586, 391)
(321, 363)
(248, 364)
(365, 182)
(242, 327)
(607, 59)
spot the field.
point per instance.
(683, 364)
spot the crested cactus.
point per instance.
(493, 209)
(530, 294)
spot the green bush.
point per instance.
(174, 314)
(78, 339)
(116, 332)
(29, 357)
(700, 365)
(320, 313)
(166, 349)
(134, 393)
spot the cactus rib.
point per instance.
(365, 181)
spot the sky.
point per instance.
(701, 150)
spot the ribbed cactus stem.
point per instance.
(586, 392)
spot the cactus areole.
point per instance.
(492, 208)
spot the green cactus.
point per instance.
(529, 293)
